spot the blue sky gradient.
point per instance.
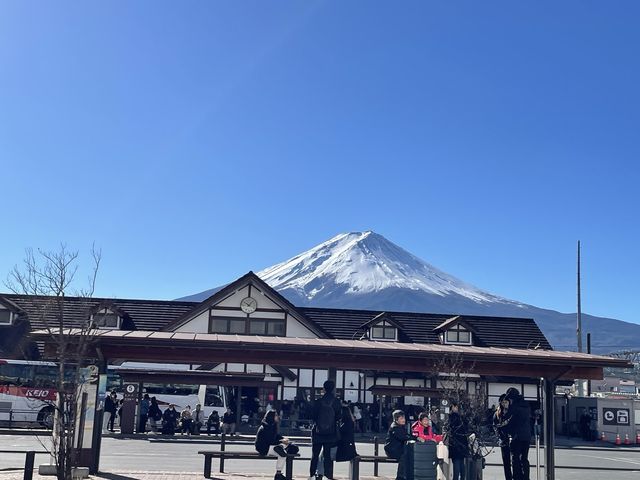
(194, 141)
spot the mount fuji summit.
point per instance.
(364, 270)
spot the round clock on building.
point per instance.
(248, 305)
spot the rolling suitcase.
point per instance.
(421, 460)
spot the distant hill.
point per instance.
(365, 270)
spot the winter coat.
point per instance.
(425, 433)
(456, 431)
(397, 437)
(198, 416)
(144, 406)
(518, 420)
(347, 444)
(154, 411)
(500, 428)
(229, 418)
(266, 437)
(170, 417)
(330, 400)
(110, 405)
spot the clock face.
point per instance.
(248, 305)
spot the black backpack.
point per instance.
(326, 422)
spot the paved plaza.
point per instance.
(151, 459)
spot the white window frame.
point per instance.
(11, 316)
(95, 319)
(384, 324)
(457, 328)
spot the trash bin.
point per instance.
(421, 460)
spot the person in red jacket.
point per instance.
(422, 429)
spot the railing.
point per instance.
(29, 461)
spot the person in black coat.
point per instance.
(456, 435)
(518, 426)
(155, 414)
(270, 442)
(325, 433)
(397, 438)
(499, 424)
(347, 444)
(111, 407)
(170, 420)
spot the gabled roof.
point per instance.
(506, 332)
(457, 320)
(143, 314)
(230, 289)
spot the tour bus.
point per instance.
(27, 392)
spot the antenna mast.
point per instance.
(579, 322)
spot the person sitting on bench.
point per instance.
(421, 429)
(270, 442)
(397, 438)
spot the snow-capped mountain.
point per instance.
(365, 270)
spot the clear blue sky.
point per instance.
(194, 141)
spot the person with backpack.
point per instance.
(397, 438)
(325, 433)
(270, 442)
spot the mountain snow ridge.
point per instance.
(365, 262)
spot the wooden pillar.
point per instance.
(549, 430)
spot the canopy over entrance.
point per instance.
(200, 348)
(328, 353)
(196, 377)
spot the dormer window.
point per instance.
(457, 334)
(383, 331)
(106, 319)
(6, 316)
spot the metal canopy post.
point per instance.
(549, 430)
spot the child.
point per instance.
(422, 429)
(270, 442)
(396, 440)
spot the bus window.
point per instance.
(213, 397)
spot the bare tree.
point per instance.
(459, 385)
(51, 276)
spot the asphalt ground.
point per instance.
(179, 456)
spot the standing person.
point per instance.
(186, 419)
(154, 414)
(346, 448)
(111, 407)
(213, 423)
(229, 422)
(397, 438)
(519, 429)
(499, 423)
(422, 430)
(326, 413)
(435, 421)
(198, 419)
(270, 442)
(170, 420)
(456, 431)
(357, 414)
(145, 404)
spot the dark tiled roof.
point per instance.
(419, 327)
(140, 314)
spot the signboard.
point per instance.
(130, 392)
(615, 416)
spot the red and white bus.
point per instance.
(27, 391)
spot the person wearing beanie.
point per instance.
(397, 438)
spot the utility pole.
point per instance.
(579, 322)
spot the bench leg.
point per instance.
(289, 468)
(221, 463)
(207, 466)
(354, 469)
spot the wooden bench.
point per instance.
(354, 465)
(222, 455)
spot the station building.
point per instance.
(250, 307)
